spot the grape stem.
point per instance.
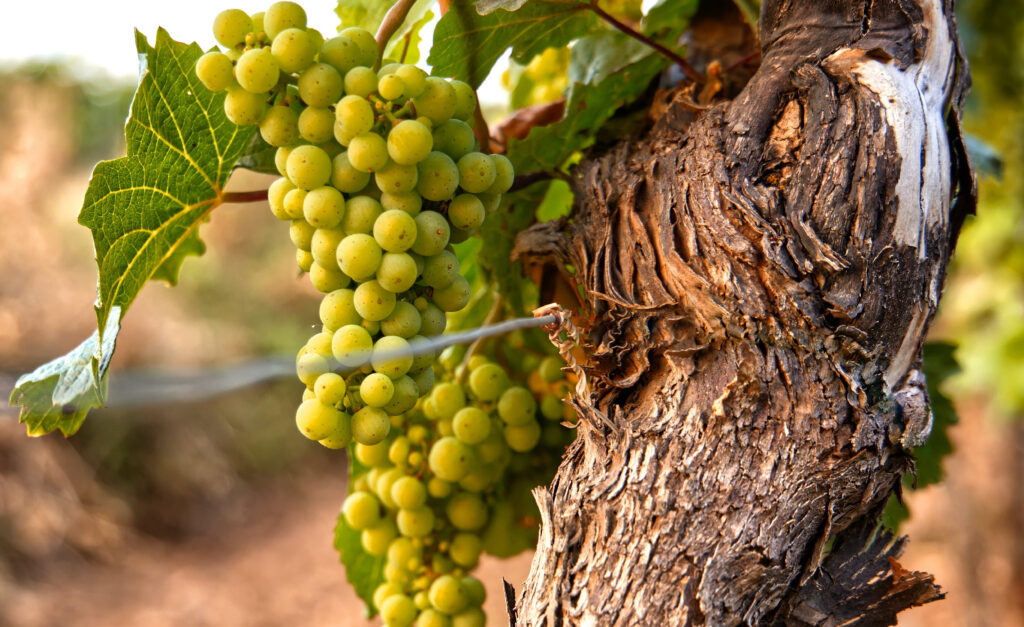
(529, 178)
(254, 195)
(683, 64)
(463, 369)
(394, 18)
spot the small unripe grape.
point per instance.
(447, 595)
(398, 611)
(469, 617)
(257, 71)
(397, 272)
(522, 438)
(397, 179)
(376, 540)
(466, 212)
(370, 425)
(275, 197)
(373, 455)
(491, 202)
(324, 247)
(438, 100)
(516, 406)
(471, 425)
(345, 177)
(308, 167)
(326, 280)
(409, 493)
(320, 85)
(414, 79)
(407, 392)
(455, 138)
(355, 114)
(324, 207)
(315, 420)
(366, 42)
(281, 159)
(465, 101)
(550, 369)
(404, 321)
(432, 321)
(215, 71)
(360, 81)
(465, 549)
(488, 382)
(316, 125)
(341, 437)
(448, 400)
(438, 177)
(432, 233)
(409, 142)
(391, 355)
(476, 172)
(231, 26)
(466, 511)
(337, 309)
(440, 270)
(385, 590)
(359, 256)
(551, 407)
(293, 202)
(329, 388)
(304, 259)
(415, 523)
(301, 234)
(351, 345)
(430, 617)
(244, 108)
(373, 301)
(280, 126)
(425, 381)
(410, 203)
(282, 16)
(361, 510)
(310, 366)
(504, 175)
(390, 87)
(395, 231)
(367, 152)
(455, 296)
(376, 390)
(450, 459)
(294, 49)
(340, 52)
(475, 591)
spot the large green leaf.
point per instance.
(467, 44)
(404, 45)
(144, 211)
(366, 14)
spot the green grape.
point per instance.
(396, 178)
(215, 71)
(551, 407)
(441, 564)
(373, 455)
(450, 459)
(372, 300)
(504, 175)
(281, 160)
(257, 71)
(382, 486)
(470, 617)
(294, 50)
(360, 81)
(398, 452)
(329, 388)
(388, 67)
(455, 138)
(367, 152)
(316, 125)
(390, 87)
(440, 270)
(448, 400)
(355, 114)
(466, 511)
(491, 202)
(351, 345)
(301, 233)
(293, 202)
(361, 213)
(315, 420)
(316, 37)
(409, 493)
(324, 207)
(398, 611)
(376, 390)
(244, 108)
(409, 142)
(366, 42)
(493, 448)
(425, 381)
(319, 343)
(341, 135)
(341, 437)
(361, 510)
(430, 617)
(516, 406)
(465, 549)
(438, 177)
(320, 85)
(345, 177)
(447, 595)
(407, 392)
(324, 247)
(465, 101)
(410, 203)
(326, 280)
(439, 488)
(397, 272)
(455, 296)
(404, 321)
(550, 369)
(310, 366)
(487, 382)
(432, 321)
(385, 590)
(359, 256)
(522, 438)
(476, 172)
(437, 101)
(413, 78)
(308, 167)
(395, 231)
(432, 233)
(275, 197)
(375, 540)
(304, 259)
(425, 356)
(414, 523)
(466, 212)
(340, 52)
(471, 425)
(390, 354)
(370, 425)
(475, 591)
(281, 16)
(337, 309)
(460, 235)
(231, 26)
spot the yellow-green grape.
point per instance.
(410, 203)
(465, 101)
(447, 595)
(404, 321)
(341, 437)
(450, 459)
(326, 280)
(367, 152)
(316, 125)
(390, 87)
(316, 37)
(360, 81)
(465, 549)
(355, 114)
(244, 108)
(471, 425)
(315, 420)
(370, 425)
(398, 452)
(375, 540)
(351, 345)
(550, 369)
(487, 382)
(372, 301)
(319, 343)
(448, 400)
(469, 617)
(429, 617)
(493, 448)
(324, 247)
(360, 215)
(522, 438)
(551, 407)
(365, 41)
(397, 272)
(308, 167)
(438, 177)
(257, 22)
(466, 212)
(345, 177)
(293, 202)
(361, 510)
(282, 16)
(309, 366)
(441, 564)
(439, 488)
(257, 71)
(359, 256)
(304, 259)
(320, 85)
(396, 178)
(388, 68)
(440, 271)
(281, 159)
(301, 233)
(373, 455)
(395, 231)
(385, 590)
(231, 26)
(432, 321)
(432, 233)
(414, 523)
(407, 392)
(294, 49)
(455, 138)
(324, 207)
(413, 78)
(280, 126)
(491, 202)
(391, 355)
(337, 309)
(329, 388)
(437, 102)
(466, 511)
(341, 135)
(340, 52)
(383, 483)
(516, 406)
(398, 610)
(460, 235)
(275, 197)
(215, 71)
(455, 296)
(476, 172)
(409, 142)
(376, 390)
(505, 175)
(475, 591)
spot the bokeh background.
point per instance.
(216, 511)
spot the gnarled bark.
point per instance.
(762, 274)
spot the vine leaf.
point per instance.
(467, 44)
(364, 571)
(668, 19)
(144, 211)
(483, 7)
(404, 46)
(366, 14)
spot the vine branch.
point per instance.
(394, 18)
(254, 195)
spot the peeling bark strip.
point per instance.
(762, 277)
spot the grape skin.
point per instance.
(231, 26)
(280, 126)
(215, 71)
(257, 71)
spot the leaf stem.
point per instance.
(683, 64)
(394, 18)
(529, 178)
(254, 195)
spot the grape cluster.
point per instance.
(381, 173)
(454, 482)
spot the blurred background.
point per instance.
(217, 512)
